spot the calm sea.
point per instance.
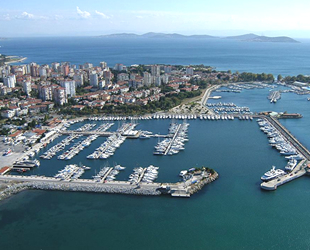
(231, 213)
(223, 54)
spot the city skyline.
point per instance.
(58, 18)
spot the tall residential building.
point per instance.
(9, 81)
(27, 87)
(65, 69)
(34, 69)
(45, 92)
(103, 65)
(147, 78)
(93, 80)
(69, 85)
(157, 81)
(120, 67)
(168, 69)
(87, 66)
(60, 96)
(79, 79)
(165, 78)
(189, 71)
(43, 70)
(101, 84)
(155, 70)
(56, 66)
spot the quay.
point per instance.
(273, 184)
(301, 169)
(300, 147)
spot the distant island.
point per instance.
(255, 38)
(156, 35)
(246, 37)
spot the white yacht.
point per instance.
(292, 163)
(272, 174)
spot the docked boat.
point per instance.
(272, 174)
(26, 164)
(292, 163)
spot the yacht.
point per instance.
(292, 163)
(272, 174)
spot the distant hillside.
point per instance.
(157, 35)
(255, 38)
(279, 39)
(243, 37)
(247, 37)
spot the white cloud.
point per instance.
(83, 14)
(7, 17)
(26, 16)
(102, 15)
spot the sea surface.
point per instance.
(230, 213)
(222, 54)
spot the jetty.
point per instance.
(179, 189)
(300, 150)
(299, 171)
(289, 137)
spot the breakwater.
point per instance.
(16, 184)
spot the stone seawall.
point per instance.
(199, 185)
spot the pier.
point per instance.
(86, 133)
(299, 171)
(301, 148)
(173, 139)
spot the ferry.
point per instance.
(272, 174)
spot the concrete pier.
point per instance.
(289, 137)
(299, 171)
(173, 138)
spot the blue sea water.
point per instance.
(223, 54)
(230, 213)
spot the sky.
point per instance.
(20, 18)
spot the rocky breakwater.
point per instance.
(195, 187)
(10, 188)
(95, 188)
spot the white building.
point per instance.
(9, 81)
(93, 79)
(27, 87)
(103, 65)
(189, 71)
(101, 84)
(147, 78)
(155, 70)
(69, 85)
(79, 80)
